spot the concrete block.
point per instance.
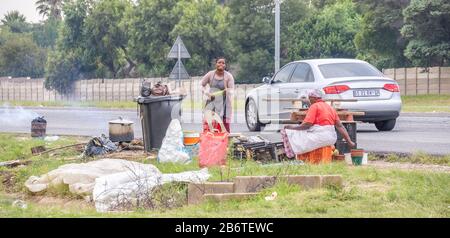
(331, 180)
(251, 184)
(219, 197)
(196, 190)
(305, 181)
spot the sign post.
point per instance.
(178, 52)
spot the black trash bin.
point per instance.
(156, 113)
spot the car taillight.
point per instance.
(391, 87)
(336, 89)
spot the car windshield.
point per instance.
(339, 70)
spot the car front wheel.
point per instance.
(387, 125)
(251, 116)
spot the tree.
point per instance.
(292, 12)
(15, 21)
(149, 25)
(252, 37)
(46, 33)
(107, 37)
(319, 4)
(379, 40)
(427, 27)
(71, 59)
(328, 33)
(204, 30)
(50, 8)
(20, 56)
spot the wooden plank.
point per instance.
(112, 90)
(132, 87)
(8, 87)
(1, 88)
(445, 70)
(434, 81)
(36, 88)
(120, 89)
(389, 71)
(86, 90)
(106, 90)
(395, 74)
(298, 100)
(99, 90)
(439, 78)
(79, 89)
(43, 90)
(340, 113)
(92, 90)
(125, 90)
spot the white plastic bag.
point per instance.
(112, 190)
(315, 137)
(172, 145)
(81, 177)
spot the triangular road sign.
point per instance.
(174, 51)
(179, 72)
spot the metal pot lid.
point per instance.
(121, 121)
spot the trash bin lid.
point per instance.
(121, 121)
(152, 99)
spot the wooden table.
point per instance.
(299, 113)
(344, 115)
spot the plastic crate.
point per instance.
(320, 155)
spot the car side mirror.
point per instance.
(266, 80)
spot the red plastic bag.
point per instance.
(212, 122)
(213, 149)
(213, 141)
(215, 126)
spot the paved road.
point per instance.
(428, 133)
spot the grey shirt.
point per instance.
(221, 105)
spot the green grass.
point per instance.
(367, 191)
(14, 147)
(426, 103)
(186, 105)
(420, 103)
(416, 158)
(98, 104)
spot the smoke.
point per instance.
(16, 116)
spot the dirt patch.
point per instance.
(409, 166)
(8, 180)
(62, 202)
(131, 155)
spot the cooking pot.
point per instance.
(121, 130)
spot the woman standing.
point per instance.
(221, 87)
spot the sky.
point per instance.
(25, 7)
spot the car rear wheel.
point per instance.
(251, 116)
(385, 125)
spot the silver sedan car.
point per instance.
(375, 94)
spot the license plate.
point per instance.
(366, 93)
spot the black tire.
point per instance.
(385, 125)
(253, 123)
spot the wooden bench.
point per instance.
(344, 115)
